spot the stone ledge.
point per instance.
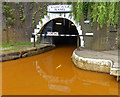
(92, 64)
(25, 53)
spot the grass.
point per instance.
(13, 44)
(7, 50)
(7, 47)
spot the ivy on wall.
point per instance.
(22, 14)
(9, 13)
(31, 5)
(42, 9)
(34, 14)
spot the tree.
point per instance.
(101, 12)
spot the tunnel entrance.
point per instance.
(65, 29)
(60, 18)
(58, 41)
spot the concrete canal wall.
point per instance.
(25, 53)
(95, 64)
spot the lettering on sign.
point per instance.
(59, 8)
(52, 33)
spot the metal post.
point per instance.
(34, 41)
(78, 42)
(43, 40)
(117, 78)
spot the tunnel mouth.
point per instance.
(65, 41)
(67, 32)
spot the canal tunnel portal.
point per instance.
(60, 21)
(59, 31)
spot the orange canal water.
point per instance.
(53, 73)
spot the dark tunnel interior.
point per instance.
(62, 26)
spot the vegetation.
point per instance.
(9, 13)
(101, 12)
(31, 5)
(22, 15)
(8, 50)
(7, 47)
(33, 18)
(13, 44)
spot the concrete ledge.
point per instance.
(25, 53)
(92, 64)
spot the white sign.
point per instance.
(52, 33)
(59, 8)
(88, 33)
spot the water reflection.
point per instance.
(56, 80)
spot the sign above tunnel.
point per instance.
(52, 33)
(59, 8)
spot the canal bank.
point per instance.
(99, 61)
(25, 52)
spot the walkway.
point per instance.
(105, 55)
(108, 55)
